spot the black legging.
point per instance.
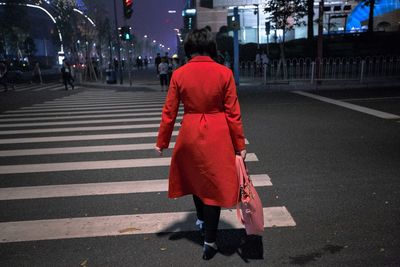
(210, 216)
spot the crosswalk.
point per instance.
(96, 143)
(35, 87)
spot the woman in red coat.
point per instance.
(203, 160)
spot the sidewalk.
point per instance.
(272, 87)
(249, 83)
(146, 80)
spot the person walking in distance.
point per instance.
(66, 72)
(157, 61)
(3, 76)
(163, 72)
(4, 79)
(37, 74)
(203, 159)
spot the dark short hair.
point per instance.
(200, 42)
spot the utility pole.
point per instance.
(320, 40)
(257, 11)
(236, 45)
(118, 44)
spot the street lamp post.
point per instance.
(118, 44)
(257, 11)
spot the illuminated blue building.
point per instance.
(358, 18)
(339, 16)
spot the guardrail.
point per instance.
(306, 69)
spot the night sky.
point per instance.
(151, 17)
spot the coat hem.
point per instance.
(207, 201)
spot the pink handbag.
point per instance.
(249, 208)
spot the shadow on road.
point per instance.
(229, 241)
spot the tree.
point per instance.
(285, 14)
(310, 19)
(65, 21)
(13, 31)
(104, 31)
(29, 47)
(371, 4)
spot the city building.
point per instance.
(339, 16)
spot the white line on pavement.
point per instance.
(95, 189)
(94, 165)
(79, 137)
(81, 129)
(371, 98)
(127, 225)
(83, 116)
(86, 107)
(80, 149)
(104, 102)
(369, 111)
(36, 124)
(79, 112)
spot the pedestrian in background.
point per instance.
(37, 74)
(157, 61)
(203, 160)
(163, 69)
(4, 77)
(66, 72)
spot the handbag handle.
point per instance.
(243, 179)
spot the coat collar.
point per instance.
(201, 59)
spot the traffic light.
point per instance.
(125, 33)
(127, 8)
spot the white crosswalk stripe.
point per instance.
(52, 123)
(90, 189)
(125, 225)
(52, 86)
(43, 130)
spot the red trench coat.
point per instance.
(203, 160)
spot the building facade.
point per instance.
(339, 16)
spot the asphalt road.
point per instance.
(333, 168)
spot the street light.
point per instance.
(257, 12)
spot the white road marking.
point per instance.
(79, 137)
(369, 111)
(50, 87)
(68, 110)
(127, 225)
(82, 99)
(36, 124)
(81, 129)
(80, 149)
(94, 165)
(371, 98)
(95, 189)
(103, 102)
(83, 116)
(83, 107)
(79, 112)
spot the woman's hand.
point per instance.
(158, 150)
(243, 154)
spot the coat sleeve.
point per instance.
(168, 117)
(233, 116)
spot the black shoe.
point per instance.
(209, 252)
